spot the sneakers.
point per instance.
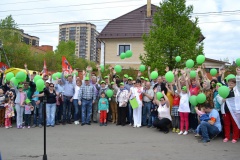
(29, 127)
(40, 126)
(33, 126)
(174, 130)
(234, 141)
(180, 133)
(177, 130)
(225, 140)
(197, 135)
(6, 127)
(100, 124)
(105, 124)
(185, 133)
(76, 122)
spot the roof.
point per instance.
(216, 61)
(133, 24)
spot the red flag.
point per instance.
(44, 71)
(66, 67)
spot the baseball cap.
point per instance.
(184, 88)
(125, 76)
(117, 76)
(27, 101)
(112, 82)
(106, 77)
(20, 86)
(142, 77)
(121, 84)
(102, 82)
(130, 78)
(219, 84)
(146, 79)
(86, 79)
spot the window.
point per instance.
(123, 48)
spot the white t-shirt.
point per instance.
(77, 88)
(164, 112)
(184, 103)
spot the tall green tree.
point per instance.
(17, 52)
(173, 32)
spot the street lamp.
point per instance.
(44, 127)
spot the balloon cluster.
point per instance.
(128, 54)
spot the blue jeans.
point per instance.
(38, 113)
(130, 113)
(151, 120)
(146, 113)
(59, 111)
(51, 110)
(67, 105)
(77, 110)
(207, 130)
(86, 110)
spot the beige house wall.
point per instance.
(112, 49)
(209, 64)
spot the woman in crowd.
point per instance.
(122, 99)
(77, 108)
(137, 112)
(164, 118)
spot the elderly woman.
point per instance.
(164, 117)
(122, 99)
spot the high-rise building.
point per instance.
(28, 39)
(84, 34)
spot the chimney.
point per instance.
(149, 8)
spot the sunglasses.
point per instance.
(134, 83)
(51, 86)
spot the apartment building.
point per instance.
(28, 39)
(84, 34)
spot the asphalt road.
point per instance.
(110, 142)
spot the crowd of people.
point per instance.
(133, 102)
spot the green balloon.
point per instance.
(59, 74)
(154, 75)
(129, 53)
(54, 76)
(223, 91)
(37, 77)
(201, 98)
(118, 68)
(200, 59)
(40, 83)
(39, 89)
(9, 76)
(213, 72)
(14, 81)
(142, 68)
(193, 100)
(159, 95)
(238, 62)
(75, 73)
(193, 74)
(169, 76)
(178, 59)
(102, 68)
(189, 63)
(21, 76)
(123, 55)
(109, 93)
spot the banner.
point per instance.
(234, 108)
(66, 67)
(44, 71)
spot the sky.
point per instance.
(41, 18)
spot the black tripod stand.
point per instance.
(4, 53)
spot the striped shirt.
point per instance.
(87, 92)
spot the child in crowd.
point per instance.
(103, 108)
(2, 109)
(9, 112)
(202, 117)
(154, 113)
(27, 113)
(174, 112)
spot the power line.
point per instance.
(23, 2)
(75, 5)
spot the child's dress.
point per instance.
(27, 115)
(9, 113)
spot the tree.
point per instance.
(172, 33)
